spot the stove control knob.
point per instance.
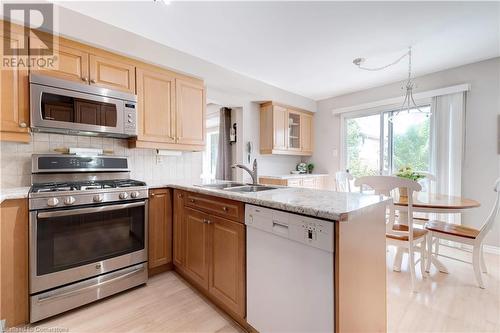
(52, 202)
(123, 195)
(98, 198)
(69, 200)
(134, 194)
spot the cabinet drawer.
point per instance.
(229, 209)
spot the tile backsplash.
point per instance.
(15, 159)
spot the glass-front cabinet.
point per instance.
(285, 130)
(294, 131)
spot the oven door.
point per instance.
(74, 244)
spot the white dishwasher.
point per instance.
(290, 286)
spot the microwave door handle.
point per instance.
(79, 211)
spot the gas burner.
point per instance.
(53, 187)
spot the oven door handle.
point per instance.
(79, 211)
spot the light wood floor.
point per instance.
(444, 303)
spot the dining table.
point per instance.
(427, 202)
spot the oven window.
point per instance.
(70, 241)
(75, 110)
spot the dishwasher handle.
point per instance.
(280, 228)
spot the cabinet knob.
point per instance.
(23, 125)
(85, 79)
(152, 195)
(207, 221)
(192, 200)
(179, 196)
(225, 209)
(92, 81)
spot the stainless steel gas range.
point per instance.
(87, 231)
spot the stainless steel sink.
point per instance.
(222, 186)
(250, 188)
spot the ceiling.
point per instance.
(308, 47)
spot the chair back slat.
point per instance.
(492, 217)
(343, 181)
(384, 185)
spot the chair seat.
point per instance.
(452, 229)
(417, 233)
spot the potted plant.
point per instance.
(408, 173)
(310, 167)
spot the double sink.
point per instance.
(238, 187)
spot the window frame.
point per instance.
(382, 111)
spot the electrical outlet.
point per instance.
(159, 159)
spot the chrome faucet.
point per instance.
(253, 173)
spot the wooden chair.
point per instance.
(400, 235)
(465, 235)
(343, 181)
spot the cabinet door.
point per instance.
(293, 132)
(190, 113)
(306, 137)
(280, 127)
(14, 98)
(309, 182)
(72, 62)
(227, 263)
(179, 229)
(160, 228)
(14, 296)
(295, 183)
(109, 72)
(155, 92)
(196, 263)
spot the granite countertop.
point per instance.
(292, 176)
(14, 193)
(336, 206)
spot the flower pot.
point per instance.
(403, 192)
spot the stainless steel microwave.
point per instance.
(67, 107)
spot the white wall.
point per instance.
(482, 163)
(90, 31)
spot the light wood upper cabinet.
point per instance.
(285, 130)
(160, 228)
(190, 113)
(306, 133)
(14, 96)
(110, 72)
(227, 263)
(280, 127)
(155, 94)
(72, 61)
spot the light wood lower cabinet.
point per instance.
(160, 230)
(319, 182)
(14, 262)
(209, 251)
(14, 93)
(226, 280)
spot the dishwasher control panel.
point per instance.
(303, 229)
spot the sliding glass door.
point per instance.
(384, 142)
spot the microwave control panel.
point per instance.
(130, 118)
